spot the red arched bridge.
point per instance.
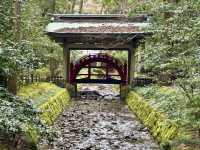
(99, 61)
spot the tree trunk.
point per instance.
(124, 6)
(81, 6)
(12, 80)
(53, 6)
(17, 11)
(12, 84)
(102, 8)
(51, 68)
(73, 6)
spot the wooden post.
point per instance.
(107, 71)
(75, 90)
(120, 90)
(89, 71)
(66, 58)
(132, 67)
(131, 62)
(129, 66)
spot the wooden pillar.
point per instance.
(129, 66)
(72, 89)
(132, 62)
(132, 66)
(66, 58)
(89, 71)
(75, 90)
(107, 71)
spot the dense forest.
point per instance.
(170, 57)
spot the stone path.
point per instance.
(101, 125)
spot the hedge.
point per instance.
(163, 129)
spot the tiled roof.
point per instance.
(95, 27)
(95, 24)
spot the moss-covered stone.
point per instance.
(54, 107)
(51, 107)
(162, 129)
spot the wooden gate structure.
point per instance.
(98, 32)
(108, 63)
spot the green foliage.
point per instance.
(38, 93)
(42, 72)
(48, 98)
(15, 57)
(6, 21)
(122, 55)
(166, 100)
(175, 104)
(162, 129)
(174, 49)
(34, 48)
(175, 41)
(17, 117)
(190, 88)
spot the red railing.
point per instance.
(85, 62)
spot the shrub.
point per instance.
(166, 100)
(18, 119)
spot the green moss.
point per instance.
(32, 135)
(3, 147)
(49, 99)
(39, 93)
(54, 106)
(33, 91)
(162, 129)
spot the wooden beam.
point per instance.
(99, 81)
(101, 74)
(99, 46)
(101, 35)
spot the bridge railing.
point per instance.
(85, 61)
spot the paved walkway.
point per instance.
(101, 125)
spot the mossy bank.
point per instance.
(48, 99)
(163, 129)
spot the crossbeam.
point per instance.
(99, 81)
(100, 74)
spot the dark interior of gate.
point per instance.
(98, 33)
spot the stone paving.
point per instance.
(101, 125)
